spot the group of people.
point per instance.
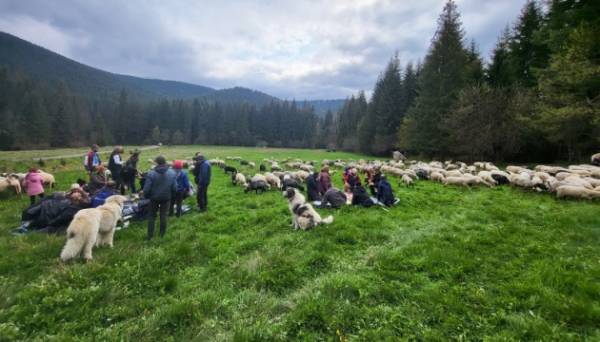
(320, 189)
(164, 186)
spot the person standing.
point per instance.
(92, 160)
(159, 186)
(34, 183)
(130, 172)
(202, 172)
(183, 187)
(115, 165)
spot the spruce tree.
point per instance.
(444, 73)
(499, 71)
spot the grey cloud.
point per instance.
(290, 49)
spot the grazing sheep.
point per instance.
(301, 175)
(515, 169)
(436, 176)
(252, 164)
(572, 191)
(407, 180)
(454, 173)
(500, 177)
(48, 178)
(456, 181)
(486, 177)
(273, 180)
(240, 180)
(10, 182)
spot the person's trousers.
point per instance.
(177, 202)
(32, 198)
(202, 196)
(160, 207)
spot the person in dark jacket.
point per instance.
(372, 180)
(324, 180)
(97, 180)
(183, 187)
(352, 179)
(333, 197)
(202, 171)
(130, 171)
(159, 186)
(115, 165)
(92, 159)
(312, 187)
(361, 197)
(385, 194)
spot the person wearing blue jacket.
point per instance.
(159, 187)
(385, 194)
(202, 170)
(183, 187)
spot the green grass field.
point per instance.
(447, 263)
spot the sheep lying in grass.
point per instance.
(573, 191)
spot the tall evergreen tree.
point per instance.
(499, 71)
(445, 72)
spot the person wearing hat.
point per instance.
(202, 172)
(115, 165)
(130, 172)
(159, 186)
(183, 187)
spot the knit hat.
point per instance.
(178, 164)
(160, 160)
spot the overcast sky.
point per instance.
(287, 48)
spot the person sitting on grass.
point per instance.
(183, 187)
(312, 187)
(324, 180)
(34, 183)
(97, 180)
(385, 195)
(361, 197)
(333, 198)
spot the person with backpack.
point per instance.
(115, 165)
(183, 187)
(130, 172)
(202, 171)
(34, 184)
(92, 159)
(159, 188)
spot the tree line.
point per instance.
(35, 115)
(536, 100)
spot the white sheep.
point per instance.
(240, 180)
(573, 191)
(436, 176)
(48, 178)
(273, 180)
(10, 182)
(407, 180)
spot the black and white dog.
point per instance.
(304, 215)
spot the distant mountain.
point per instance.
(44, 65)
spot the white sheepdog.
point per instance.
(91, 227)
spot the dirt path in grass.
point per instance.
(74, 155)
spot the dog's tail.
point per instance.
(72, 248)
(328, 220)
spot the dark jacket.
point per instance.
(312, 188)
(183, 183)
(130, 169)
(324, 182)
(335, 197)
(160, 184)
(384, 192)
(353, 181)
(361, 197)
(202, 172)
(115, 166)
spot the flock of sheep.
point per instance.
(575, 181)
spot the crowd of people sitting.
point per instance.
(319, 189)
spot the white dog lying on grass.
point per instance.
(304, 215)
(91, 227)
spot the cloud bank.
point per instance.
(290, 49)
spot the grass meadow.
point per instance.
(447, 263)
